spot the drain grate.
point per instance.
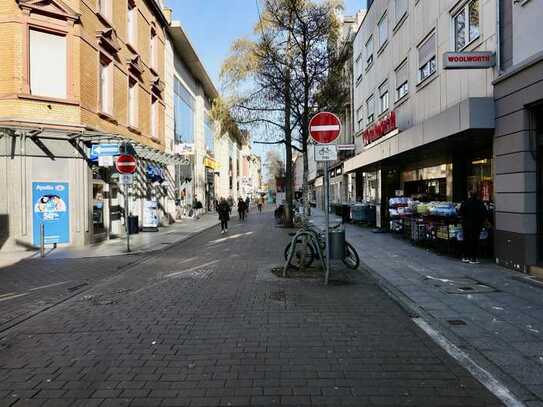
(459, 285)
(456, 322)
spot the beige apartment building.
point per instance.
(79, 79)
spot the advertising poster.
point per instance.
(150, 214)
(51, 207)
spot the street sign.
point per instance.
(325, 152)
(126, 179)
(126, 164)
(345, 147)
(105, 161)
(324, 127)
(469, 60)
(100, 150)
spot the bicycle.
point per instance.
(316, 247)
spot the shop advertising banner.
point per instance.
(51, 207)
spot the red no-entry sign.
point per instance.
(324, 127)
(126, 164)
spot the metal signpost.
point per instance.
(126, 165)
(324, 128)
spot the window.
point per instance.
(400, 9)
(382, 28)
(132, 103)
(370, 107)
(427, 57)
(209, 135)
(359, 118)
(183, 114)
(48, 64)
(154, 50)
(155, 120)
(384, 102)
(106, 85)
(466, 25)
(402, 80)
(369, 52)
(105, 9)
(358, 68)
(132, 24)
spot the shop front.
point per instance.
(212, 168)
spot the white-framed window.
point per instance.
(369, 51)
(400, 9)
(132, 23)
(155, 117)
(105, 8)
(358, 68)
(370, 108)
(48, 64)
(466, 25)
(427, 57)
(133, 102)
(106, 85)
(382, 28)
(384, 99)
(359, 119)
(402, 80)
(154, 49)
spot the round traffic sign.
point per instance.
(324, 127)
(126, 164)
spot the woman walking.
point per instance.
(241, 209)
(223, 209)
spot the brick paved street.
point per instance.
(205, 323)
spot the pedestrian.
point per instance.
(241, 209)
(247, 205)
(197, 206)
(223, 209)
(259, 204)
(473, 213)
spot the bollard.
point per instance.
(42, 240)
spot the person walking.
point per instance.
(247, 206)
(259, 203)
(241, 209)
(223, 209)
(473, 213)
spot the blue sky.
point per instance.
(212, 26)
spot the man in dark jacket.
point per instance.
(223, 209)
(473, 212)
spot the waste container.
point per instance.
(337, 244)
(133, 225)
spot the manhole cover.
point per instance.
(459, 285)
(278, 295)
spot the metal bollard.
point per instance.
(42, 240)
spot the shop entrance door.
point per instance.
(99, 211)
(537, 126)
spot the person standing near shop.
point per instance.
(241, 209)
(473, 213)
(223, 209)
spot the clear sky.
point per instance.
(212, 26)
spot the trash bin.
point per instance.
(337, 244)
(133, 225)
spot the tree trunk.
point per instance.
(289, 179)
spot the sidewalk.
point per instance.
(490, 312)
(139, 243)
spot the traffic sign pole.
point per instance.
(327, 216)
(127, 215)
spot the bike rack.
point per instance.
(313, 240)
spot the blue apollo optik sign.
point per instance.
(51, 207)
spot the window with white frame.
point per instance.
(105, 8)
(466, 25)
(358, 68)
(369, 51)
(154, 117)
(48, 64)
(132, 102)
(106, 85)
(359, 118)
(400, 9)
(132, 23)
(382, 28)
(384, 100)
(370, 108)
(402, 80)
(427, 57)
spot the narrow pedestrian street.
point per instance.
(206, 323)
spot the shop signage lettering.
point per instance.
(380, 129)
(469, 60)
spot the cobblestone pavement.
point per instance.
(206, 324)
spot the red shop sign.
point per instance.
(380, 129)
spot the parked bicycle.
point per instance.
(315, 236)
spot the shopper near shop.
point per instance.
(473, 213)
(223, 209)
